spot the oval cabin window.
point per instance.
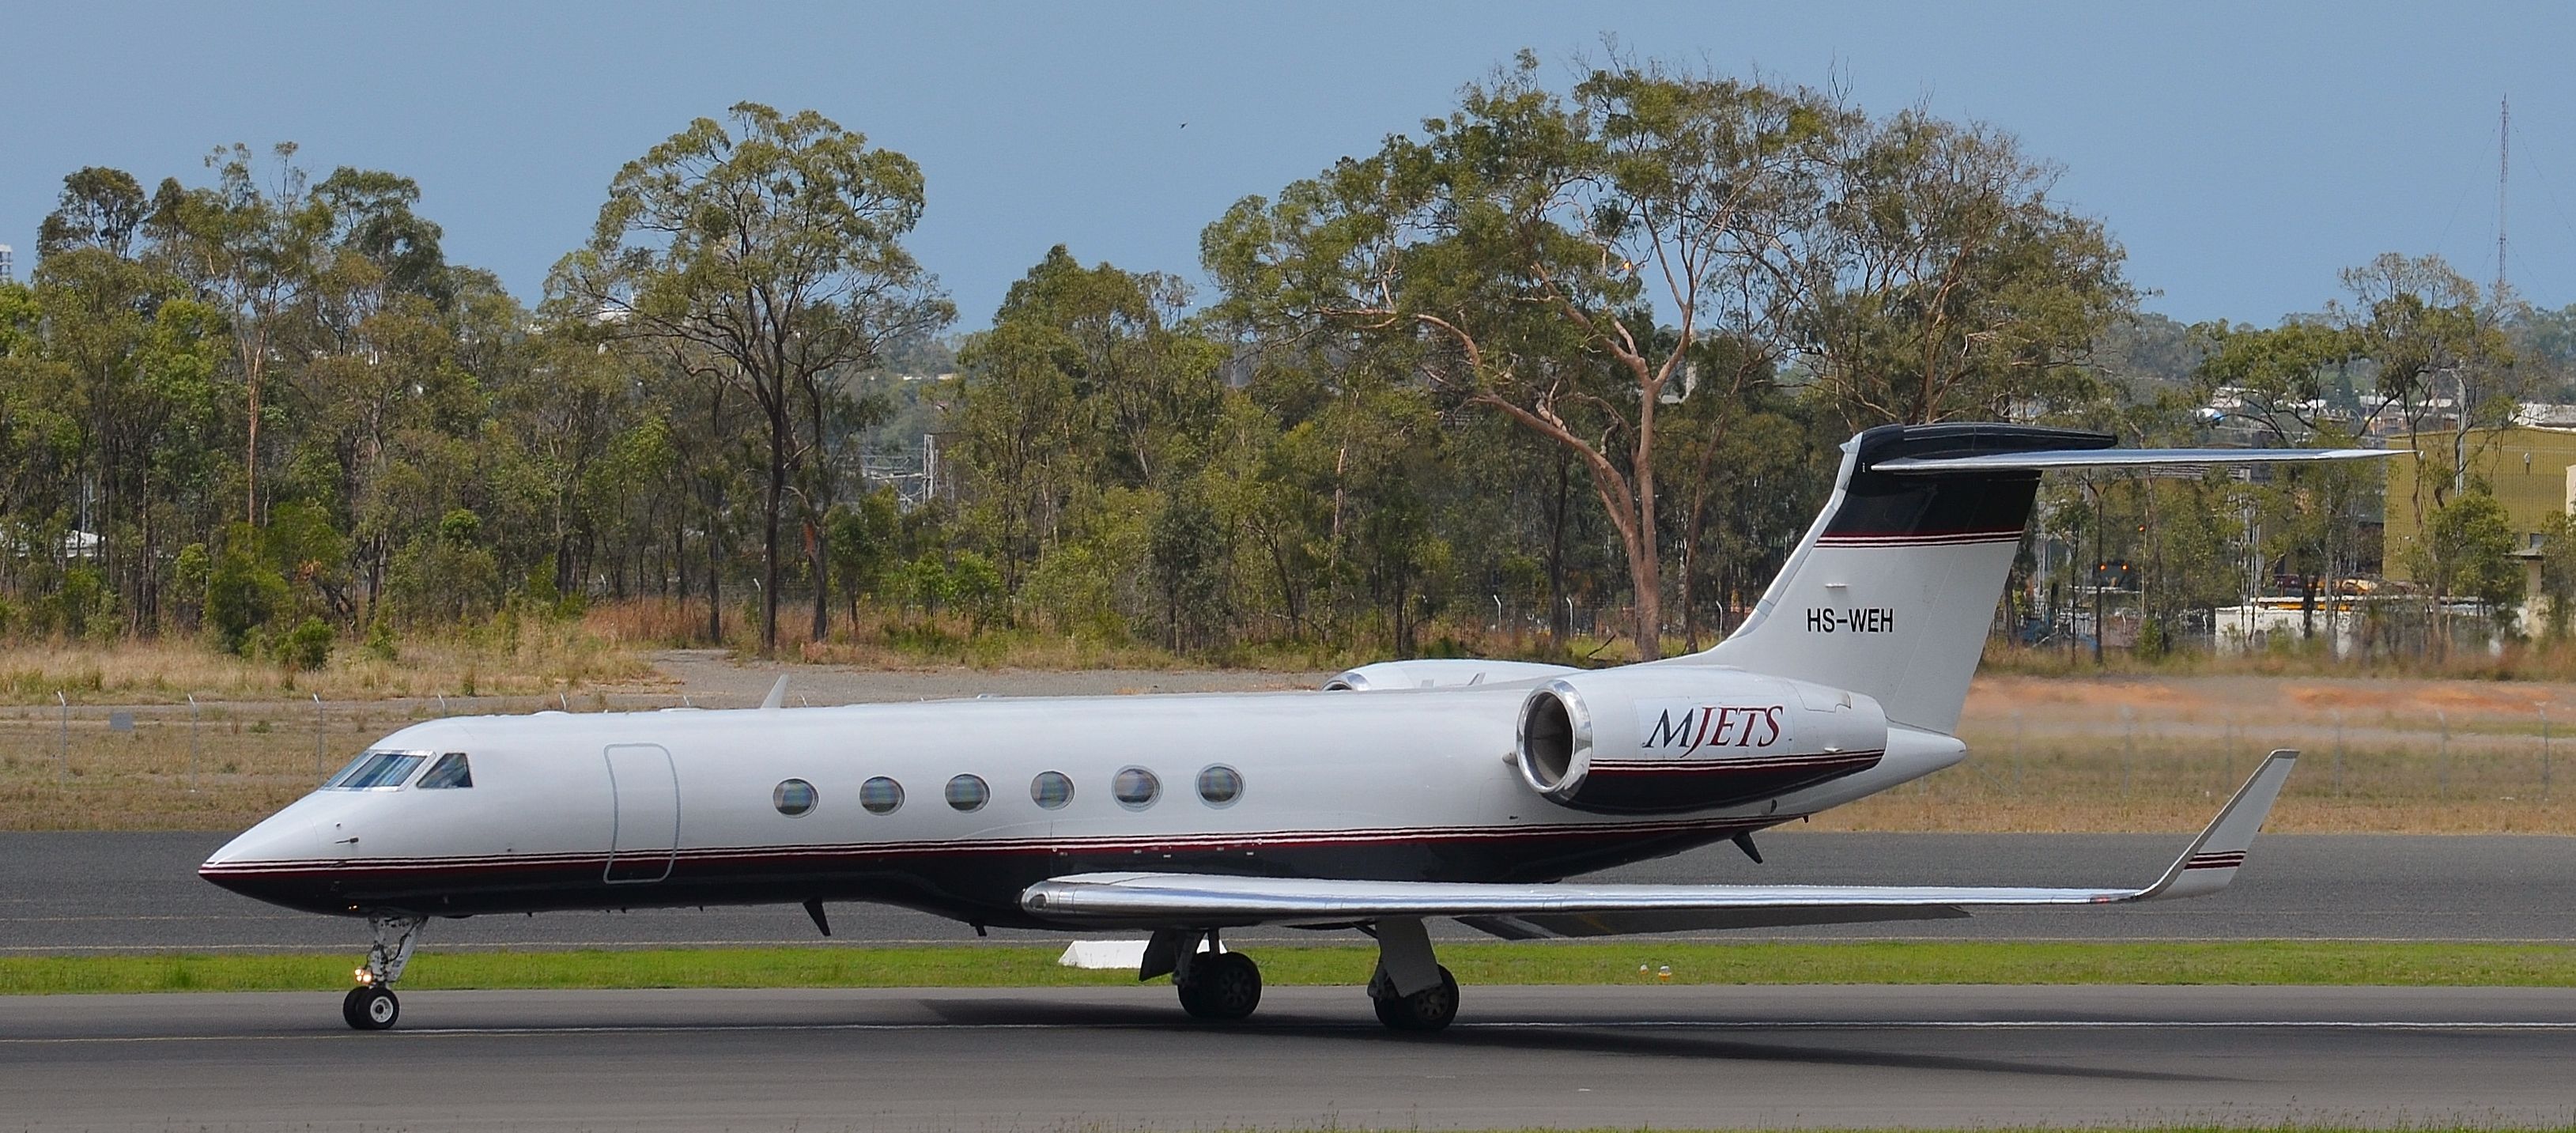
(1220, 785)
(1135, 788)
(1051, 790)
(880, 795)
(793, 797)
(966, 792)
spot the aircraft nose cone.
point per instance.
(278, 861)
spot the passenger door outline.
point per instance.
(644, 813)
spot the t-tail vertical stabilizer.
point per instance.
(1891, 591)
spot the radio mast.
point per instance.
(2504, 159)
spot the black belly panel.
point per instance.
(979, 885)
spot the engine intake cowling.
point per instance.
(1678, 739)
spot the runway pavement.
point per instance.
(79, 893)
(1122, 1058)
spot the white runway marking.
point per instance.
(2393, 1026)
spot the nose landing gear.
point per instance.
(371, 1006)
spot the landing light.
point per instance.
(365, 977)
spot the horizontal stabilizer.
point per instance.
(2046, 459)
(1217, 901)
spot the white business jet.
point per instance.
(1402, 791)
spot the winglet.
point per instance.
(777, 695)
(2212, 860)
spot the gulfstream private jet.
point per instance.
(1400, 792)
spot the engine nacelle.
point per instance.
(1678, 738)
(1444, 672)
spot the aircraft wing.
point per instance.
(1154, 900)
(2123, 458)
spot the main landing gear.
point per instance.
(1411, 990)
(371, 1005)
(1215, 984)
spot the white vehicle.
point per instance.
(1404, 791)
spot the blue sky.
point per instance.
(2243, 153)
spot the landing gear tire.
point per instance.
(370, 1008)
(1422, 1012)
(1223, 986)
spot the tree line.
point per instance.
(1572, 361)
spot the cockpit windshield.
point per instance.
(451, 771)
(374, 771)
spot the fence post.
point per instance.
(2442, 763)
(2338, 753)
(2016, 754)
(63, 770)
(2544, 753)
(193, 743)
(317, 737)
(2128, 741)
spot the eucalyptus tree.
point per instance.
(1024, 440)
(249, 249)
(1147, 383)
(140, 356)
(1525, 245)
(2433, 340)
(764, 254)
(1089, 380)
(1946, 281)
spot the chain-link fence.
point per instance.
(201, 764)
(222, 765)
(2483, 773)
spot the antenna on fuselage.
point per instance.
(777, 695)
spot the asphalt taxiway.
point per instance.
(94, 893)
(1124, 1058)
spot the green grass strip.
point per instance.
(2341, 963)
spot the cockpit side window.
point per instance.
(375, 771)
(451, 770)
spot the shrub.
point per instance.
(976, 588)
(380, 642)
(242, 594)
(85, 607)
(308, 646)
(188, 577)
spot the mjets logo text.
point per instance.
(1687, 729)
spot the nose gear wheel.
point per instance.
(370, 1007)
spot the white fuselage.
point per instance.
(683, 807)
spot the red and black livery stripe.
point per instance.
(1651, 786)
(2215, 859)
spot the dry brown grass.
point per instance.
(910, 641)
(510, 660)
(2140, 754)
(2175, 784)
(2516, 661)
